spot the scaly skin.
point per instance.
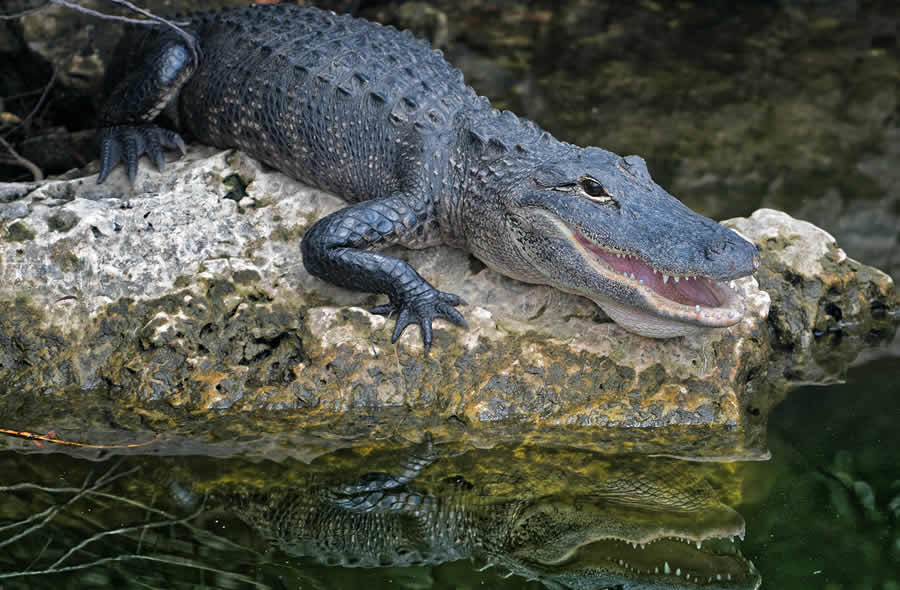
(379, 118)
(641, 528)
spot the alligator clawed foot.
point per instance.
(422, 309)
(127, 143)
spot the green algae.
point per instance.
(18, 232)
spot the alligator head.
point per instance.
(592, 543)
(590, 222)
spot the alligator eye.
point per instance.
(594, 189)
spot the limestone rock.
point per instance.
(181, 305)
(825, 306)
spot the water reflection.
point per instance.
(561, 519)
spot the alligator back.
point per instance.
(337, 102)
(312, 525)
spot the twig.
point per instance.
(134, 503)
(33, 436)
(122, 19)
(33, 486)
(27, 120)
(91, 487)
(33, 517)
(94, 491)
(50, 513)
(25, 94)
(191, 42)
(119, 531)
(25, 12)
(40, 554)
(171, 560)
(25, 163)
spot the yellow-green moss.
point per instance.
(18, 232)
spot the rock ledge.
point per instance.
(185, 301)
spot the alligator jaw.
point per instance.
(672, 305)
(664, 563)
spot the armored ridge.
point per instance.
(384, 121)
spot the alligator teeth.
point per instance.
(665, 279)
(666, 569)
(632, 276)
(676, 279)
(678, 572)
(698, 544)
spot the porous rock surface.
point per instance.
(181, 305)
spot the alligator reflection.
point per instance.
(567, 519)
(646, 523)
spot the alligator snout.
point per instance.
(736, 254)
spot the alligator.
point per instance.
(379, 118)
(648, 525)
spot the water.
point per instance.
(827, 514)
(823, 512)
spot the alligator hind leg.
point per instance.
(336, 249)
(143, 78)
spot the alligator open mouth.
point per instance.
(683, 299)
(668, 562)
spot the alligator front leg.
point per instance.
(386, 492)
(143, 80)
(336, 249)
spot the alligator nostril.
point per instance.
(713, 250)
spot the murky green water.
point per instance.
(823, 513)
(827, 513)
